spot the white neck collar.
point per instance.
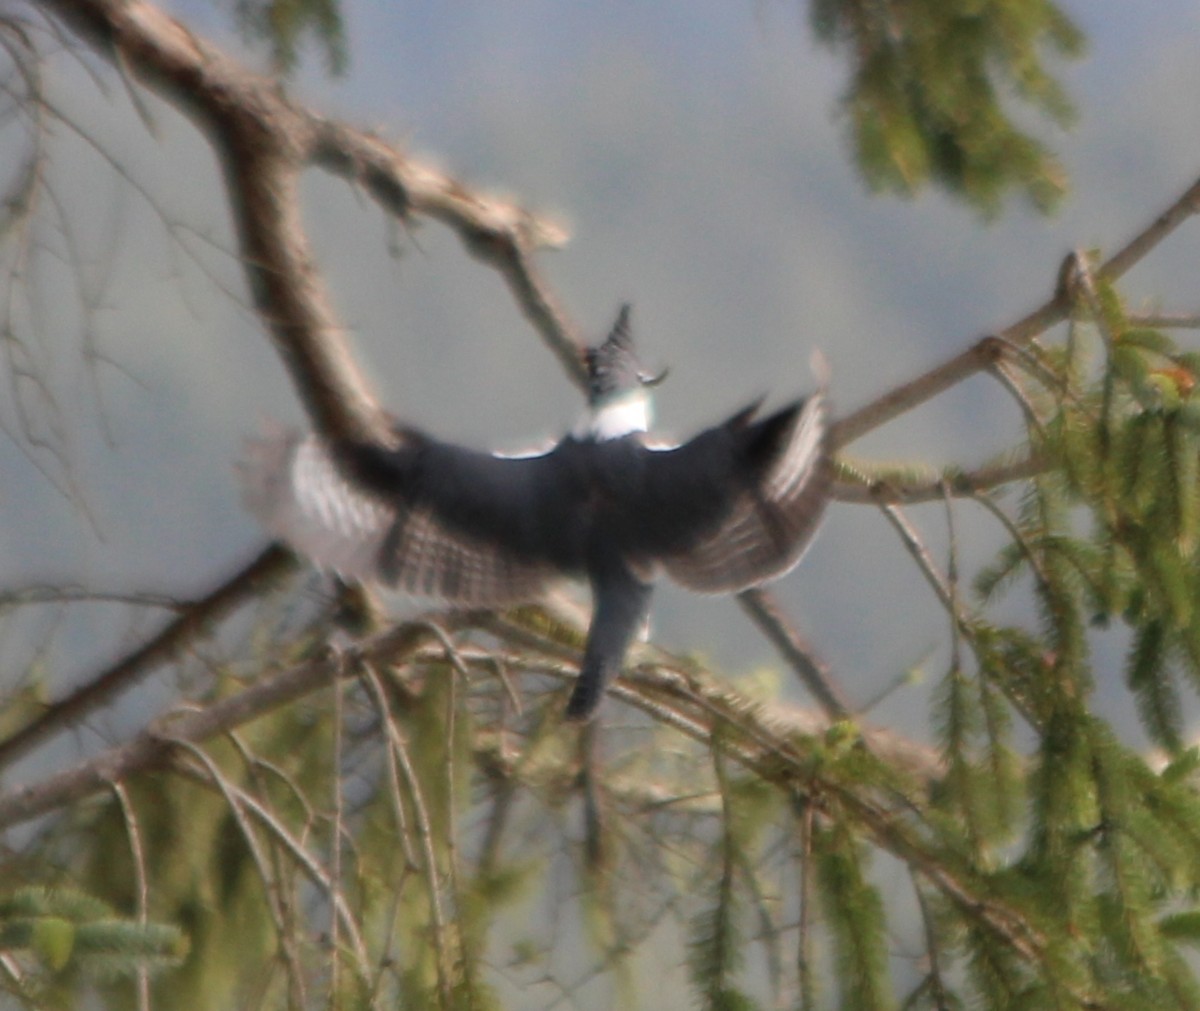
(616, 418)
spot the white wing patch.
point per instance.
(291, 486)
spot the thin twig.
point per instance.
(1017, 536)
(590, 790)
(804, 967)
(932, 949)
(1085, 283)
(913, 544)
(1165, 320)
(1006, 379)
(142, 895)
(952, 586)
(335, 843)
(151, 748)
(26, 596)
(1033, 365)
(272, 886)
(395, 794)
(240, 800)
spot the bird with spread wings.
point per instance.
(734, 506)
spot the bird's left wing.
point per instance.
(429, 518)
(749, 495)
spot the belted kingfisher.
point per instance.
(731, 508)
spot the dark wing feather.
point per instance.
(750, 495)
(427, 517)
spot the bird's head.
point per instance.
(613, 370)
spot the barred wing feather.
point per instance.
(360, 518)
(771, 520)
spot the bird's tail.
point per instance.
(621, 604)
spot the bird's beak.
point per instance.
(647, 380)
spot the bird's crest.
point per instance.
(613, 367)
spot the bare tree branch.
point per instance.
(196, 619)
(498, 232)
(765, 612)
(645, 687)
(153, 746)
(981, 354)
(264, 140)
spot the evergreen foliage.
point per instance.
(930, 83)
(282, 26)
(412, 837)
(63, 939)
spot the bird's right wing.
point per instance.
(429, 518)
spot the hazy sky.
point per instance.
(695, 152)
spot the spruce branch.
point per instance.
(904, 489)
(805, 815)
(1017, 536)
(1166, 321)
(245, 806)
(715, 946)
(335, 835)
(138, 857)
(934, 980)
(411, 785)
(396, 799)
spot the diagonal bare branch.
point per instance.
(264, 140)
(153, 746)
(498, 232)
(764, 610)
(261, 139)
(982, 353)
(194, 620)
